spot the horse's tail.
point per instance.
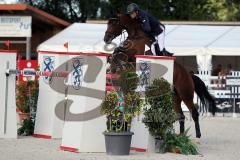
(204, 95)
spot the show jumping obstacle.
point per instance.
(71, 89)
(8, 123)
(8, 72)
(68, 108)
(149, 68)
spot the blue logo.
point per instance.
(77, 73)
(48, 66)
(144, 68)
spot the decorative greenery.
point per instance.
(121, 106)
(128, 81)
(26, 101)
(181, 143)
(27, 128)
(27, 96)
(159, 115)
(33, 90)
(133, 106)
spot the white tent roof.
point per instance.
(180, 39)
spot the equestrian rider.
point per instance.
(151, 26)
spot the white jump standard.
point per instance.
(8, 122)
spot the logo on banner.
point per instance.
(144, 74)
(48, 66)
(77, 74)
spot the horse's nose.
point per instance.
(107, 38)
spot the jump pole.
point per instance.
(6, 99)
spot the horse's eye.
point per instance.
(113, 21)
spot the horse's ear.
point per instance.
(111, 13)
(119, 12)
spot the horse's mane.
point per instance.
(131, 25)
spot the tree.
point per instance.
(81, 10)
(70, 10)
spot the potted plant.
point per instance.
(159, 117)
(120, 107)
(159, 114)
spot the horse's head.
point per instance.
(114, 29)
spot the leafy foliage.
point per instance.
(110, 104)
(27, 96)
(27, 128)
(128, 81)
(70, 10)
(159, 116)
(21, 98)
(181, 143)
(26, 101)
(120, 107)
(133, 105)
(81, 10)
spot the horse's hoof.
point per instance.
(197, 141)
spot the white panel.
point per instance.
(141, 138)
(86, 135)
(8, 115)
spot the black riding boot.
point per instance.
(164, 52)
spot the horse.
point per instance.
(184, 83)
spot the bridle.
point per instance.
(116, 21)
(115, 59)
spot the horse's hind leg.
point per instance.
(179, 111)
(195, 116)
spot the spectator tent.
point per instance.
(196, 46)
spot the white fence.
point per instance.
(225, 89)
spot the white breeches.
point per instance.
(160, 40)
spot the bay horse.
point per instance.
(183, 82)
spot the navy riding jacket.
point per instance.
(150, 25)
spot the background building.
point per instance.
(43, 26)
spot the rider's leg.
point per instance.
(157, 50)
(161, 39)
(153, 48)
(161, 42)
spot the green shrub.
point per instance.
(128, 81)
(159, 115)
(182, 143)
(27, 127)
(27, 96)
(122, 105)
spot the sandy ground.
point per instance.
(220, 141)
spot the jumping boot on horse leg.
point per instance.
(182, 123)
(195, 116)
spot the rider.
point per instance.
(151, 26)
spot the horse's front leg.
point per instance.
(178, 109)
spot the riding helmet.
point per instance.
(132, 8)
